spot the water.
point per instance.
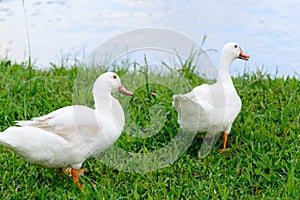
(268, 31)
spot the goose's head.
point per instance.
(111, 83)
(232, 51)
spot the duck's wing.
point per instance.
(193, 116)
(198, 101)
(183, 103)
(201, 93)
(66, 121)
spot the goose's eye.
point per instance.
(235, 46)
(115, 77)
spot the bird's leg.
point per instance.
(63, 171)
(75, 173)
(225, 138)
(68, 170)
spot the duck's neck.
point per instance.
(224, 76)
(103, 102)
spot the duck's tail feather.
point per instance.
(25, 123)
(185, 105)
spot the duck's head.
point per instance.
(110, 82)
(232, 51)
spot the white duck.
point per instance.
(68, 136)
(212, 109)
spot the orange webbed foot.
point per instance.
(221, 150)
(75, 173)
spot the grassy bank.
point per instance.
(263, 160)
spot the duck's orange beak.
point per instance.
(124, 91)
(243, 56)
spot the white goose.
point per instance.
(68, 136)
(212, 108)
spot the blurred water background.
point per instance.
(269, 31)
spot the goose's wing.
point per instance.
(66, 121)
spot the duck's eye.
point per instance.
(115, 77)
(235, 46)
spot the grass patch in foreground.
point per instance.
(263, 161)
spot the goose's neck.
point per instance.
(224, 70)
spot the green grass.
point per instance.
(263, 161)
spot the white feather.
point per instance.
(70, 135)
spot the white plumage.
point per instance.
(212, 108)
(68, 136)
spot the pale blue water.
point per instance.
(269, 31)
